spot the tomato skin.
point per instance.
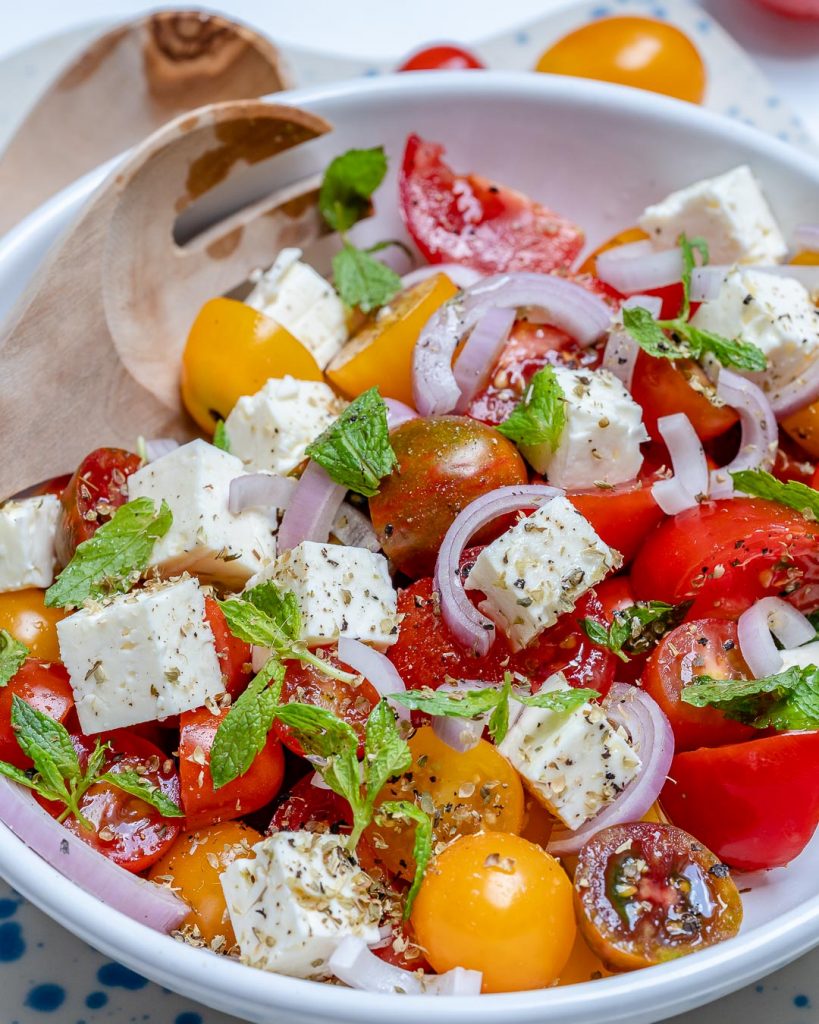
(622, 516)
(23, 614)
(202, 804)
(307, 806)
(234, 655)
(444, 463)
(43, 686)
(724, 555)
(443, 57)
(703, 647)
(402, 951)
(469, 220)
(754, 804)
(92, 495)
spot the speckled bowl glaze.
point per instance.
(598, 154)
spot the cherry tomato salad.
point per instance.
(471, 648)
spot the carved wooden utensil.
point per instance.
(91, 353)
(125, 86)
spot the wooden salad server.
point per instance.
(123, 87)
(91, 353)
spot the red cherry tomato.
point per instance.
(129, 831)
(234, 654)
(402, 950)
(44, 686)
(754, 804)
(806, 9)
(470, 220)
(724, 555)
(92, 495)
(202, 804)
(444, 57)
(310, 807)
(791, 463)
(707, 647)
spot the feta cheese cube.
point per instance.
(270, 431)
(572, 762)
(539, 569)
(296, 296)
(140, 656)
(293, 903)
(774, 313)
(206, 538)
(806, 656)
(342, 591)
(730, 212)
(601, 438)
(27, 532)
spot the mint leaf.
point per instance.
(46, 742)
(282, 606)
(498, 724)
(114, 558)
(422, 844)
(636, 629)
(450, 703)
(540, 417)
(560, 701)
(349, 182)
(792, 493)
(16, 775)
(12, 656)
(355, 450)
(137, 785)
(386, 753)
(687, 246)
(363, 281)
(650, 336)
(220, 438)
(785, 701)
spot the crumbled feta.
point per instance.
(600, 442)
(342, 591)
(206, 538)
(774, 313)
(730, 212)
(270, 431)
(27, 532)
(296, 296)
(806, 656)
(293, 903)
(539, 569)
(572, 762)
(140, 656)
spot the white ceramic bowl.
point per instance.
(598, 154)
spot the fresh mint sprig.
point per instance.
(785, 701)
(540, 416)
(757, 483)
(12, 656)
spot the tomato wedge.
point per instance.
(45, 687)
(234, 654)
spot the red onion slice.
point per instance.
(760, 436)
(159, 446)
(357, 966)
(571, 307)
(354, 529)
(398, 413)
(375, 667)
(621, 351)
(260, 490)
(461, 276)
(771, 615)
(689, 485)
(806, 236)
(639, 270)
(312, 510)
(651, 736)
(463, 734)
(469, 626)
(480, 353)
(153, 905)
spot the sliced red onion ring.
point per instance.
(398, 413)
(357, 966)
(312, 510)
(463, 277)
(354, 529)
(771, 615)
(260, 490)
(471, 628)
(480, 353)
(571, 307)
(159, 446)
(650, 734)
(621, 351)
(689, 485)
(806, 236)
(150, 904)
(639, 270)
(706, 281)
(375, 667)
(760, 436)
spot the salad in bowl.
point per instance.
(469, 648)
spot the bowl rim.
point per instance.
(659, 990)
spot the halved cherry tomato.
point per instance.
(95, 491)
(803, 427)
(44, 686)
(622, 516)
(444, 463)
(705, 647)
(311, 807)
(647, 892)
(403, 951)
(495, 903)
(470, 220)
(234, 654)
(202, 804)
(791, 463)
(444, 57)
(755, 804)
(23, 613)
(726, 554)
(126, 829)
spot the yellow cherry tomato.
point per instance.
(589, 265)
(25, 616)
(582, 965)
(381, 353)
(496, 903)
(806, 258)
(640, 52)
(231, 351)
(464, 793)
(193, 866)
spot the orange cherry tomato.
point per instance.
(495, 903)
(25, 616)
(441, 58)
(640, 52)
